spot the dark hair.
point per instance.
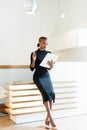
(37, 44)
(40, 39)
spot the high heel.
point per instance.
(54, 128)
(47, 126)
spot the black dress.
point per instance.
(41, 77)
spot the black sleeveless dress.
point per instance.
(41, 77)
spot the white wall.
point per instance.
(75, 17)
(76, 54)
(71, 39)
(73, 71)
(19, 32)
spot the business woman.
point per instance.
(42, 80)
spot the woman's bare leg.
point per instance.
(49, 116)
(51, 104)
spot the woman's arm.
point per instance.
(33, 59)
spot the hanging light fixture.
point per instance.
(30, 6)
(62, 13)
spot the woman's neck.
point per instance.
(41, 49)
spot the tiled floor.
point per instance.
(69, 123)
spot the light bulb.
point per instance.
(62, 14)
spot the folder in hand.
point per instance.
(47, 58)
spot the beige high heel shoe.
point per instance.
(54, 128)
(47, 126)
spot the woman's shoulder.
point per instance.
(37, 51)
(34, 51)
(48, 51)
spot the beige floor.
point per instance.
(69, 123)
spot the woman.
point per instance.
(42, 79)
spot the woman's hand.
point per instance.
(34, 56)
(51, 63)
